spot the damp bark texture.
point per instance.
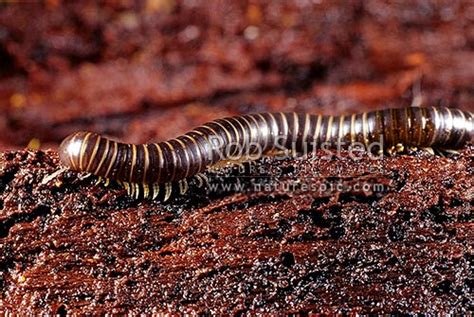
(68, 245)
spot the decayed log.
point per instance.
(68, 245)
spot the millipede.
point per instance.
(146, 169)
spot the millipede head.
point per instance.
(71, 150)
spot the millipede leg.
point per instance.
(168, 189)
(99, 180)
(205, 178)
(399, 148)
(183, 186)
(128, 188)
(107, 182)
(146, 190)
(428, 150)
(450, 151)
(391, 150)
(155, 190)
(48, 178)
(137, 190)
(440, 152)
(84, 176)
(200, 179)
(131, 190)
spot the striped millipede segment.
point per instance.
(150, 168)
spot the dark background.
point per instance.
(149, 70)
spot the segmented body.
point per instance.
(148, 166)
